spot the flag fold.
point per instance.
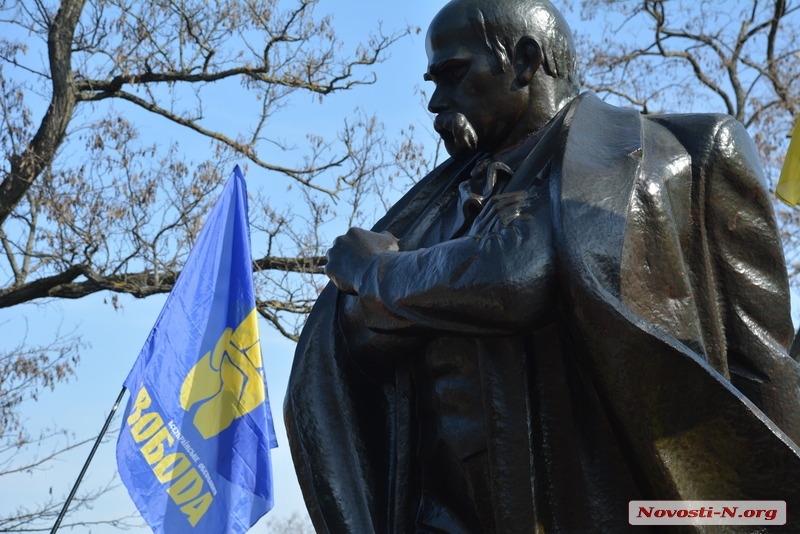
(788, 188)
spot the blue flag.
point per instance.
(194, 449)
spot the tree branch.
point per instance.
(246, 151)
(26, 167)
(140, 285)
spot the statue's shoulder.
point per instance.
(696, 131)
(707, 134)
(718, 145)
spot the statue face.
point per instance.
(478, 105)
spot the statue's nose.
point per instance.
(439, 102)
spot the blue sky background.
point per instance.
(116, 336)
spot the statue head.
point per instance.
(502, 69)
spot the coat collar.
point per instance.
(601, 163)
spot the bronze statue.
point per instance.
(584, 306)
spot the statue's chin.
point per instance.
(457, 151)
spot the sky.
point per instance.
(116, 336)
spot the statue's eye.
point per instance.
(456, 72)
(452, 71)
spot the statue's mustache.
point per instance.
(456, 128)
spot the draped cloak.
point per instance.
(663, 374)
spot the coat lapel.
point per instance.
(600, 166)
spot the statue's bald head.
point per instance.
(502, 23)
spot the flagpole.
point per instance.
(88, 461)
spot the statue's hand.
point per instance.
(499, 211)
(351, 253)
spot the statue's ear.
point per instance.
(527, 60)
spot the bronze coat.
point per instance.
(673, 319)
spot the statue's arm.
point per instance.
(354, 320)
(745, 245)
(491, 284)
(751, 278)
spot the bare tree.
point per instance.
(25, 372)
(89, 204)
(94, 198)
(740, 58)
(293, 524)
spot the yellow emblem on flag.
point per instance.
(788, 188)
(226, 381)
